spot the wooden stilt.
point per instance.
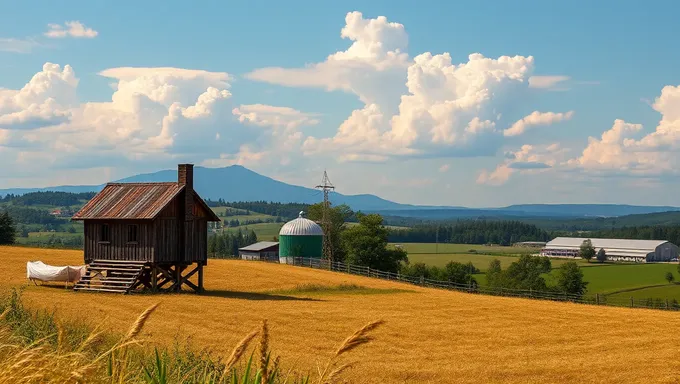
(178, 278)
(200, 278)
(154, 279)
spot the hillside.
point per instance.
(429, 336)
(236, 183)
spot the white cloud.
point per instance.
(271, 116)
(529, 159)
(537, 118)
(70, 29)
(548, 82)
(425, 106)
(17, 45)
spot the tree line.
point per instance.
(471, 232)
(227, 244)
(669, 233)
(61, 199)
(286, 210)
(7, 230)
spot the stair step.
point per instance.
(119, 261)
(100, 290)
(116, 269)
(131, 278)
(118, 282)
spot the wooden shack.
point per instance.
(146, 235)
(264, 250)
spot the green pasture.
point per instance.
(664, 291)
(264, 231)
(447, 248)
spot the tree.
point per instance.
(366, 244)
(7, 230)
(525, 273)
(570, 279)
(338, 216)
(494, 274)
(459, 273)
(587, 251)
(669, 277)
(601, 255)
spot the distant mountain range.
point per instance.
(236, 183)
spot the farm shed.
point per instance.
(145, 235)
(639, 251)
(264, 250)
(300, 238)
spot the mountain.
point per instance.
(236, 183)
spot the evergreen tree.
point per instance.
(7, 230)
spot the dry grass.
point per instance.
(431, 336)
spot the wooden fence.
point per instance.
(596, 299)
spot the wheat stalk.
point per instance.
(139, 323)
(357, 339)
(238, 351)
(264, 352)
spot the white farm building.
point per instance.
(639, 251)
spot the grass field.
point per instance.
(430, 336)
(664, 291)
(264, 231)
(422, 248)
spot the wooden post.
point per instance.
(666, 303)
(200, 278)
(597, 298)
(422, 280)
(632, 303)
(178, 278)
(154, 278)
(368, 271)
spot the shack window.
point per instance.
(133, 231)
(104, 233)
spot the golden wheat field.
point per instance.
(430, 336)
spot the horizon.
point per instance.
(445, 105)
(344, 194)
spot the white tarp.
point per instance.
(37, 270)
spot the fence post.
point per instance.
(398, 276)
(666, 303)
(348, 270)
(368, 271)
(597, 298)
(632, 303)
(422, 280)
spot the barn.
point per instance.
(145, 235)
(639, 251)
(264, 250)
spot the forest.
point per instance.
(471, 232)
(285, 210)
(670, 233)
(60, 199)
(227, 244)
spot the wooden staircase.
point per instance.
(111, 276)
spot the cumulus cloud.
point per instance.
(537, 118)
(70, 29)
(44, 101)
(425, 106)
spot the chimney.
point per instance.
(185, 177)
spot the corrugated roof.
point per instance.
(622, 244)
(262, 245)
(301, 227)
(129, 201)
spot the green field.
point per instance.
(264, 231)
(480, 261)
(446, 248)
(666, 291)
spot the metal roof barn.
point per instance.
(616, 249)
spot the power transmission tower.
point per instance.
(326, 186)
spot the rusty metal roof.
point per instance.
(129, 201)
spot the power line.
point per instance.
(326, 186)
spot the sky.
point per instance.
(478, 104)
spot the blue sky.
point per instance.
(277, 84)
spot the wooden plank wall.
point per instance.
(167, 238)
(118, 247)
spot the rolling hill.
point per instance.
(236, 183)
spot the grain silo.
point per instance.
(300, 238)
